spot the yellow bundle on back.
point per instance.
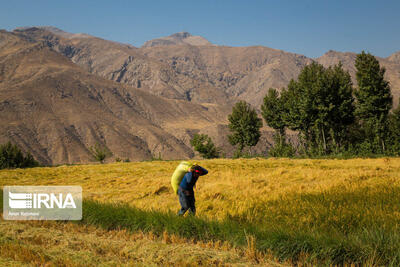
(178, 174)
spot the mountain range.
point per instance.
(61, 93)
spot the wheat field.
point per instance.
(291, 211)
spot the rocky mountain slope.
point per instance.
(125, 64)
(202, 73)
(198, 73)
(56, 110)
(248, 72)
(242, 72)
(61, 93)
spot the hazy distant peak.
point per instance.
(395, 57)
(64, 34)
(180, 35)
(179, 38)
(55, 31)
(333, 53)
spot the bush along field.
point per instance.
(250, 211)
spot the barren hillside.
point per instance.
(179, 67)
(125, 64)
(61, 93)
(56, 110)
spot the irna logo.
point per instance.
(42, 203)
(40, 200)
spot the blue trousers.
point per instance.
(187, 203)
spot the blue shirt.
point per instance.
(189, 180)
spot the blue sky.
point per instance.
(308, 27)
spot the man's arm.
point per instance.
(188, 177)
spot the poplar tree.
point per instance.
(272, 111)
(244, 125)
(374, 99)
(394, 130)
(320, 105)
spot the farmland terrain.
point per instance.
(249, 211)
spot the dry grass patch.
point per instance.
(68, 244)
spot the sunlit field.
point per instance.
(249, 211)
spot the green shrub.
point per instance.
(203, 144)
(281, 148)
(100, 153)
(12, 157)
(155, 158)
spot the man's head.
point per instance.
(196, 170)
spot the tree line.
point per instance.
(329, 114)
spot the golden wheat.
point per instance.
(238, 187)
(232, 186)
